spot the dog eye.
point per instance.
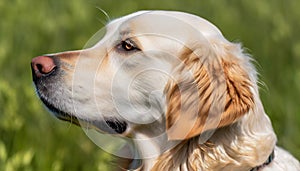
(128, 45)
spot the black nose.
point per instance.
(42, 66)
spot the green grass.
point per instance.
(31, 139)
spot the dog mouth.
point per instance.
(59, 113)
(47, 75)
(105, 125)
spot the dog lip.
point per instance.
(108, 125)
(116, 125)
(59, 113)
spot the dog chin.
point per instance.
(59, 113)
(107, 125)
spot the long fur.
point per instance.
(186, 97)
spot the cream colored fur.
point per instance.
(189, 96)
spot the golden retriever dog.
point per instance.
(170, 82)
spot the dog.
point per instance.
(170, 82)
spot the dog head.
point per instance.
(153, 72)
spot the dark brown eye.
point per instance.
(128, 45)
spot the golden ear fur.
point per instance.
(208, 92)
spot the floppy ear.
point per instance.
(208, 91)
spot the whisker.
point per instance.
(106, 15)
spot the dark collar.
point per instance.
(269, 160)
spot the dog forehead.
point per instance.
(201, 24)
(166, 22)
(118, 21)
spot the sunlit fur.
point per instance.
(186, 82)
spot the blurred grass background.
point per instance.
(33, 140)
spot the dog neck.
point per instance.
(150, 145)
(240, 146)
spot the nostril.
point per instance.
(42, 65)
(45, 70)
(40, 68)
